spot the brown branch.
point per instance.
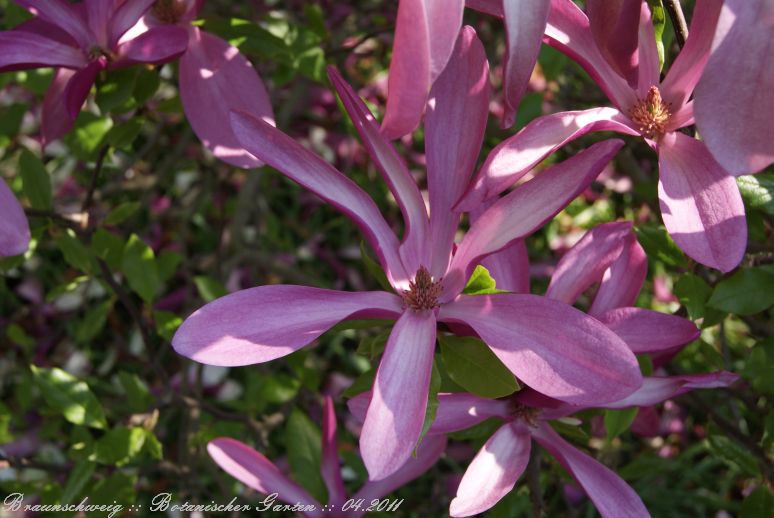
(95, 178)
(675, 11)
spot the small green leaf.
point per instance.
(758, 191)
(116, 487)
(303, 443)
(93, 323)
(693, 293)
(660, 246)
(73, 398)
(122, 212)
(152, 446)
(35, 180)
(167, 263)
(139, 266)
(108, 247)
(618, 421)
(432, 403)
(472, 365)
(209, 288)
(88, 134)
(115, 93)
(732, 453)
(137, 394)
(759, 504)
(123, 135)
(362, 383)
(120, 445)
(481, 283)
(372, 346)
(75, 253)
(746, 292)
(76, 482)
(11, 118)
(166, 324)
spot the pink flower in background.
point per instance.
(734, 102)
(81, 40)
(547, 344)
(259, 473)
(700, 201)
(14, 229)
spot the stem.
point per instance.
(95, 178)
(533, 480)
(675, 11)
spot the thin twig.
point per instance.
(675, 11)
(95, 178)
(533, 481)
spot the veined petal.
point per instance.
(454, 130)
(611, 495)
(648, 69)
(98, 13)
(55, 119)
(586, 262)
(700, 203)
(517, 155)
(14, 229)
(525, 23)
(155, 46)
(329, 463)
(614, 26)
(20, 49)
(734, 105)
(395, 416)
(259, 473)
(623, 281)
(302, 166)
(260, 324)
(494, 471)
(510, 267)
(687, 68)
(214, 79)
(65, 16)
(646, 331)
(402, 185)
(525, 209)
(551, 346)
(124, 18)
(656, 390)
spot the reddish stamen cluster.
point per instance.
(527, 413)
(169, 11)
(423, 292)
(651, 114)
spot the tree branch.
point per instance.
(675, 11)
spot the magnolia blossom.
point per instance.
(700, 202)
(257, 472)
(734, 102)
(547, 344)
(14, 229)
(82, 40)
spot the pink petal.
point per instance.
(494, 470)
(586, 262)
(614, 26)
(65, 16)
(393, 169)
(428, 453)
(98, 13)
(14, 229)
(302, 166)
(525, 23)
(257, 472)
(622, 282)
(611, 495)
(686, 70)
(656, 390)
(491, 7)
(551, 346)
(648, 70)
(215, 78)
(700, 203)
(526, 209)
(395, 416)
(458, 411)
(516, 156)
(154, 46)
(55, 119)
(79, 86)
(20, 49)
(646, 331)
(125, 17)
(734, 105)
(425, 33)
(329, 464)
(510, 267)
(454, 130)
(260, 324)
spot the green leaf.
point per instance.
(120, 445)
(758, 191)
(137, 394)
(732, 453)
(122, 212)
(432, 403)
(108, 247)
(167, 263)
(481, 283)
(362, 383)
(166, 324)
(123, 135)
(693, 293)
(618, 421)
(248, 37)
(659, 245)
(472, 365)
(35, 180)
(73, 398)
(88, 134)
(93, 323)
(76, 482)
(11, 118)
(115, 488)
(759, 366)
(147, 84)
(372, 346)
(152, 446)
(759, 504)
(209, 288)
(139, 266)
(374, 269)
(746, 292)
(658, 15)
(75, 252)
(115, 93)
(303, 443)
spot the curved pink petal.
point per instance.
(124, 18)
(656, 390)
(428, 453)
(155, 46)
(686, 70)
(396, 413)
(79, 86)
(491, 7)
(215, 78)
(510, 267)
(551, 346)
(454, 130)
(425, 33)
(302, 166)
(517, 155)
(65, 16)
(527, 208)
(700, 203)
(611, 495)
(525, 23)
(648, 69)
(55, 119)
(734, 105)
(614, 26)
(21, 49)
(14, 229)
(622, 282)
(459, 410)
(399, 180)
(646, 331)
(329, 463)
(260, 324)
(586, 262)
(98, 13)
(257, 472)
(494, 471)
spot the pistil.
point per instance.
(423, 291)
(651, 114)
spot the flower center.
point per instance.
(169, 11)
(527, 413)
(651, 114)
(423, 292)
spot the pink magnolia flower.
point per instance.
(700, 201)
(257, 472)
(549, 345)
(214, 78)
(734, 102)
(81, 40)
(14, 228)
